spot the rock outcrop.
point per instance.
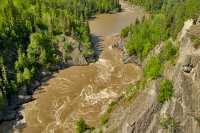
(144, 113)
(71, 51)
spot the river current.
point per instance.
(84, 91)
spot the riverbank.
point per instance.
(73, 92)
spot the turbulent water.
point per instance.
(84, 91)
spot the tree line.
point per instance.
(28, 35)
(166, 20)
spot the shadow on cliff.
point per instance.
(97, 45)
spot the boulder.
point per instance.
(74, 53)
(187, 65)
(23, 90)
(187, 61)
(78, 58)
(10, 115)
(24, 98)
(187, 69)
(35, 84)
(21, 122)
(45, 73)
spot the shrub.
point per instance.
(143, 36)
(111, 105)
(168, 51)
(168, 122)
(197, 119)
(104, 118)
(152, 68)
(67, 46)
(124, 32)
(27, 74)
(166, 90)
(82, 127)
(195, 39)
(87, 51)
(132, 90)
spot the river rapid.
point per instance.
(84, 91)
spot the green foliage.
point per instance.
(27, 74)
(87, 50)
(175, 11)
(67, 46)
(124, 33)
(111, 106)
(82, 127)
(7, 86)
(28, 30)
(151, 5)
(167, 20)
(154, 65)
(133, 89)
(168, 122)
(19, 77)
(21, 62)
(166, 90)
(196, 40)
(104, 119)
(168, 51)
(197, 118)
(143, 36)
(152, 68)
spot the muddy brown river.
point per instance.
(84, 91)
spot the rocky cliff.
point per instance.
(144, 114)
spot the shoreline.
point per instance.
(20, 120)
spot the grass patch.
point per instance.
(196, 40)
(110, 107)
(166, 90)
(168, 51)
(198, 120)
(168, 122)
(133, 90)
(82, 127)
(152, 68)
(104, 118)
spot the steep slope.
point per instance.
(145, 114)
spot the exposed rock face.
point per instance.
(72, 56)
(131, 59)
(144, 113)
(138, 116)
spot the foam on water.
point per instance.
(83, 91)
(90, 97)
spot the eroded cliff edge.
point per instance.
(144, 114)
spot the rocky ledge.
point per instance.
(143, 114)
